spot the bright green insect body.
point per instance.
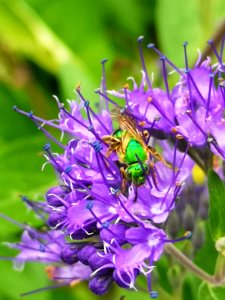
(129, 143)
(132, 155)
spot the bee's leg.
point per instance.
(109, 152)
(112, 147)
(112, 142)
(107, 138)
(158, 156)
(124, 180)
(153, 173)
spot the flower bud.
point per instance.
(53, 195)
(198, 236)
(56, 219)
(100, 285)
(203, 207)
(117, 229)
(85, 232)
(69, 253)
(85, 253)
(188, 218)
(173, 224)
(174, 276)
(95, 262)
(74, 196)
(220, 245)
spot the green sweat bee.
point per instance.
(131, 148)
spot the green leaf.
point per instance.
(207, 250)
(13, 125)
(217, 205)
(28, 35)
(163, 278)
(207, 292)
(13, 283)
(81, 292)
(69, 78)
(193, 21)
(190, 287)
(20, 173)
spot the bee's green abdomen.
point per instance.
(133, 149)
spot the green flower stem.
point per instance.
(187, 263)
(220, 267)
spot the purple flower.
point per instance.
(97, 196)
(194, 108)
(150, 105)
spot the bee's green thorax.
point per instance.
(136, 173)
(133, 150)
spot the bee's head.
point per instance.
(137, 173)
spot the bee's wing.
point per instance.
(158, 156)
(127, 123)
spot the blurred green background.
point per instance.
(46, 48)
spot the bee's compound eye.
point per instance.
(128, 174)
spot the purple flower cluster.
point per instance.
(99, 231)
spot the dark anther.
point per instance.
(104, 60)
(163, 57)
(210, 42)
(86, 103)
(188, 235)
(150, 46)
(90, 128)
(68, 169)
(46, 147)
(154, 294)
(42, 248)
(78, 88)
(140, 39)
(30, 114)
(61, 105)
(105, 224)
(97, 146)
(24, 198)
(89, 205)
